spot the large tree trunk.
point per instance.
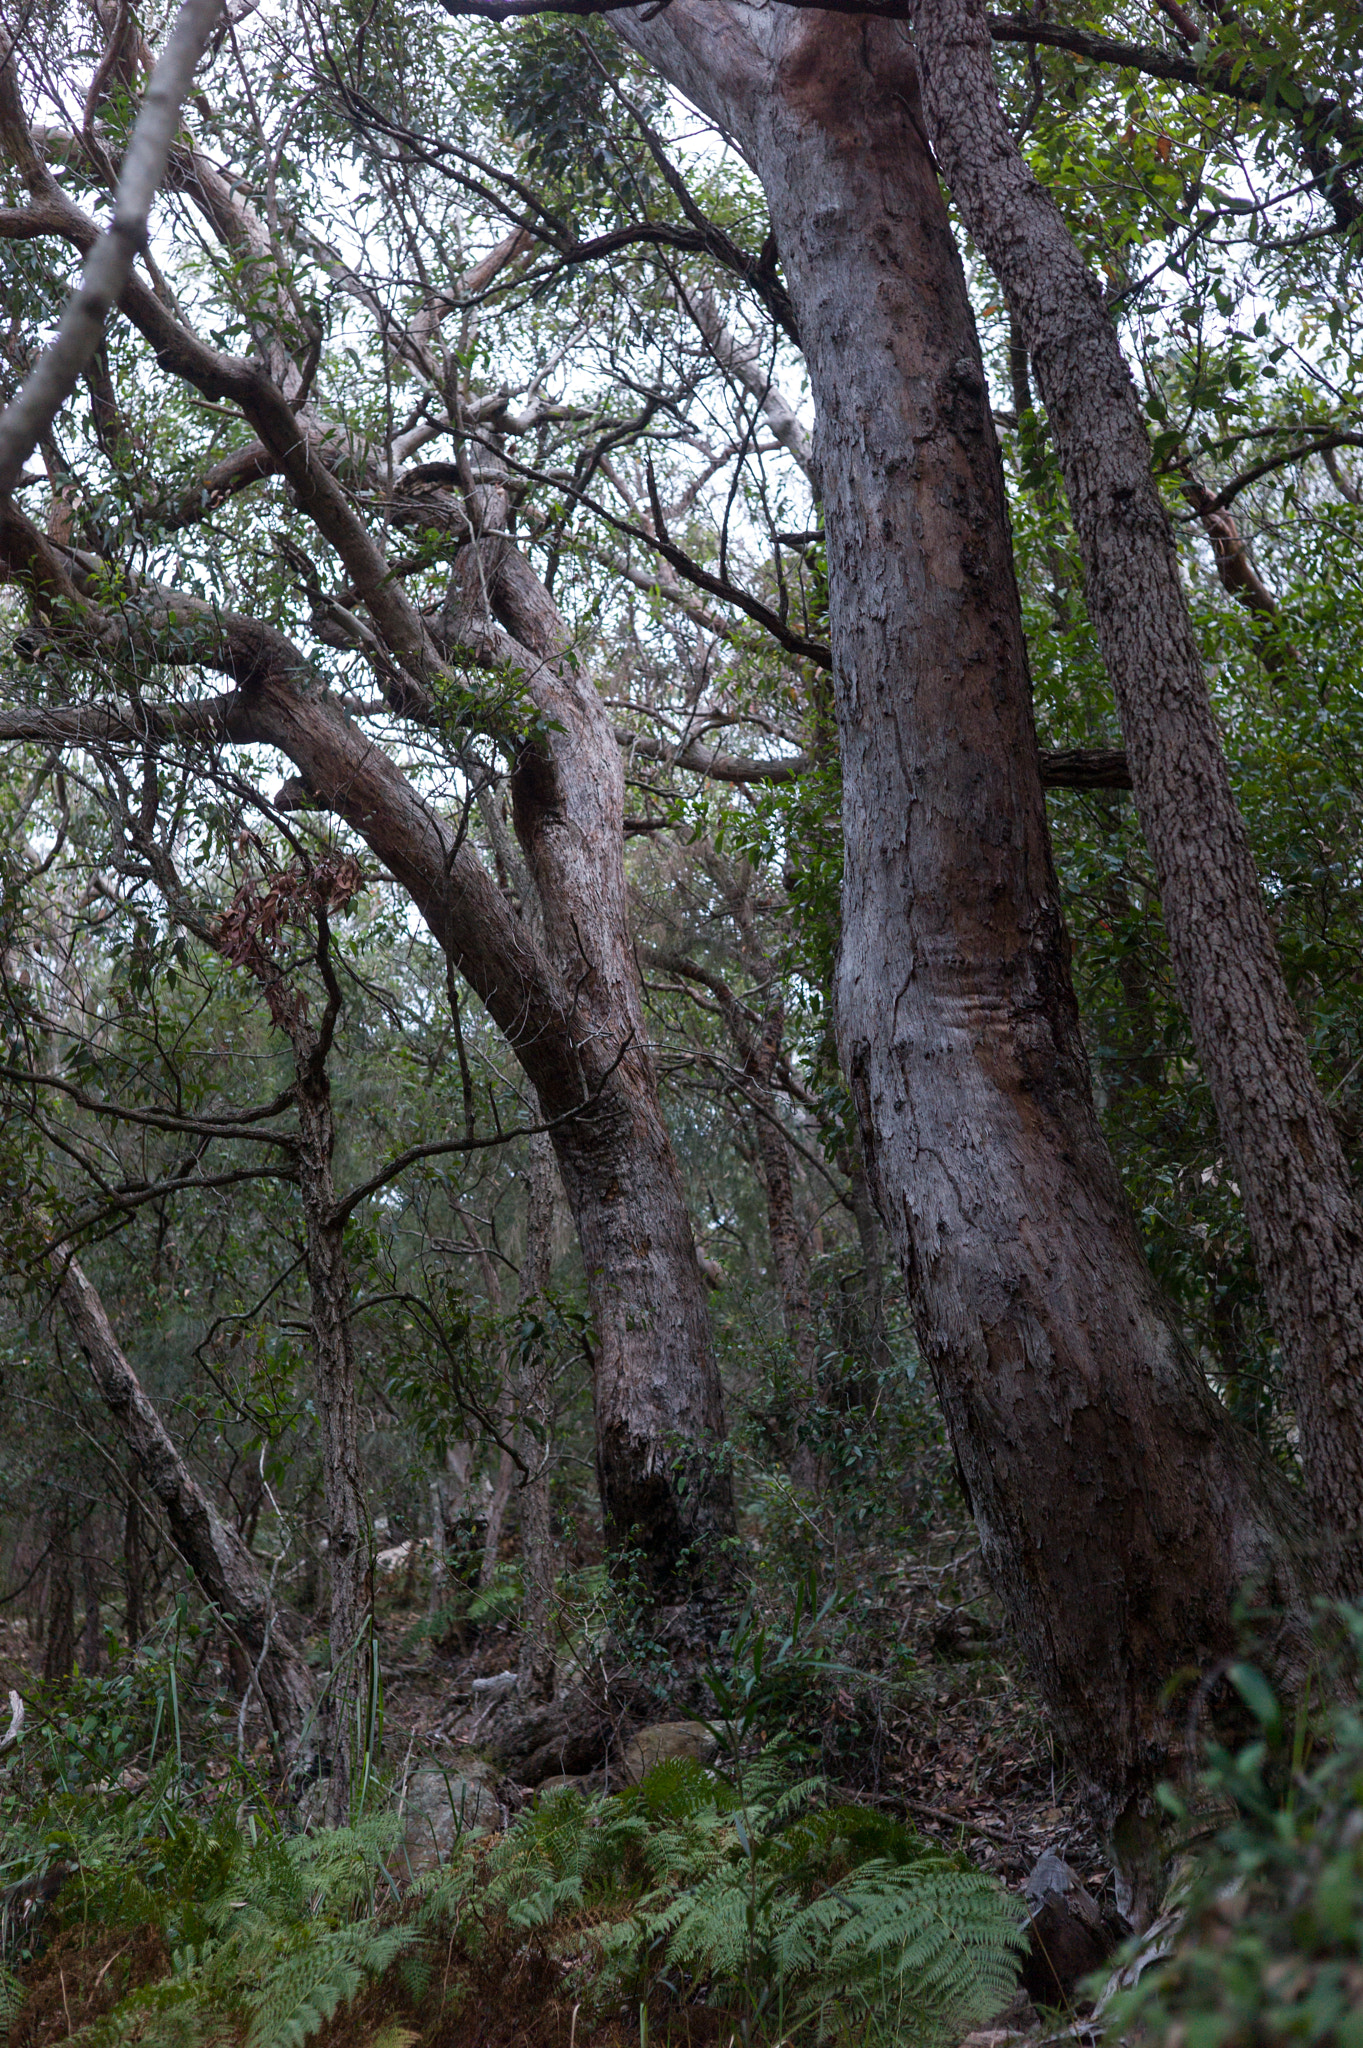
(1299, 1199)
(1119, 1509)
(227, 1573)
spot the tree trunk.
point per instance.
(1299, 1199)
(535, 1405)
(244, 936)
(227, 1573)
(658, 1402)
(59, 1633)
(134, 1618)
(347, 1523)
(1119, 1510)
(92, 1633)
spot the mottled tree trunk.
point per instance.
(659, 1406)
(1119, 1509)
(1299, 1198)
(227, 1573)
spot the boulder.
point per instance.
(440, 1804)
(665, 1740)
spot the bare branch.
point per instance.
(110, 263)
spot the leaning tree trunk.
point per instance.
(227, 1573)
(1298, 1194)
(1119, 1509)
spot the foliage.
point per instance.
(802, 1920)
(1272, 1947)
(268, 1933)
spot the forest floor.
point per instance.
(958, 1747)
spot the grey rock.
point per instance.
(439, 1805)
(665, 1740)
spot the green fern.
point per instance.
(810, 1921)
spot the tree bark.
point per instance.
(347, 1521)
(1298, 1195)
(228, 1575)
(59, 1615)
(658, 1403)
(534, 1402)
(1119, 1509)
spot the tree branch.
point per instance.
(110, 263)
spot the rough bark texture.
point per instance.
(227, 1573)
(1119, 1509)
(1299, 1200)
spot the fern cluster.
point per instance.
(268, 1933)
(800, 1920)
(806, 1921)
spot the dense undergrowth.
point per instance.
(155, 1890)
(185, 1907)
(1265, 1944)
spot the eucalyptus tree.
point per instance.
(569, 1001)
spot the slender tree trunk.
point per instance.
(229, 1576)
(1299, 1199)
(1119, 1510)
(134, 1620)
(534, 1401)
(59, 1634)
(91, 1634)
(347, 1523)
(245, 936)
(759, 1050)
(788, 1250)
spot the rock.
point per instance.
(439, 1805)
(1068, 1937)
(402, 1556)
(662, 1742)
(498, 1687)
(548, 1785)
